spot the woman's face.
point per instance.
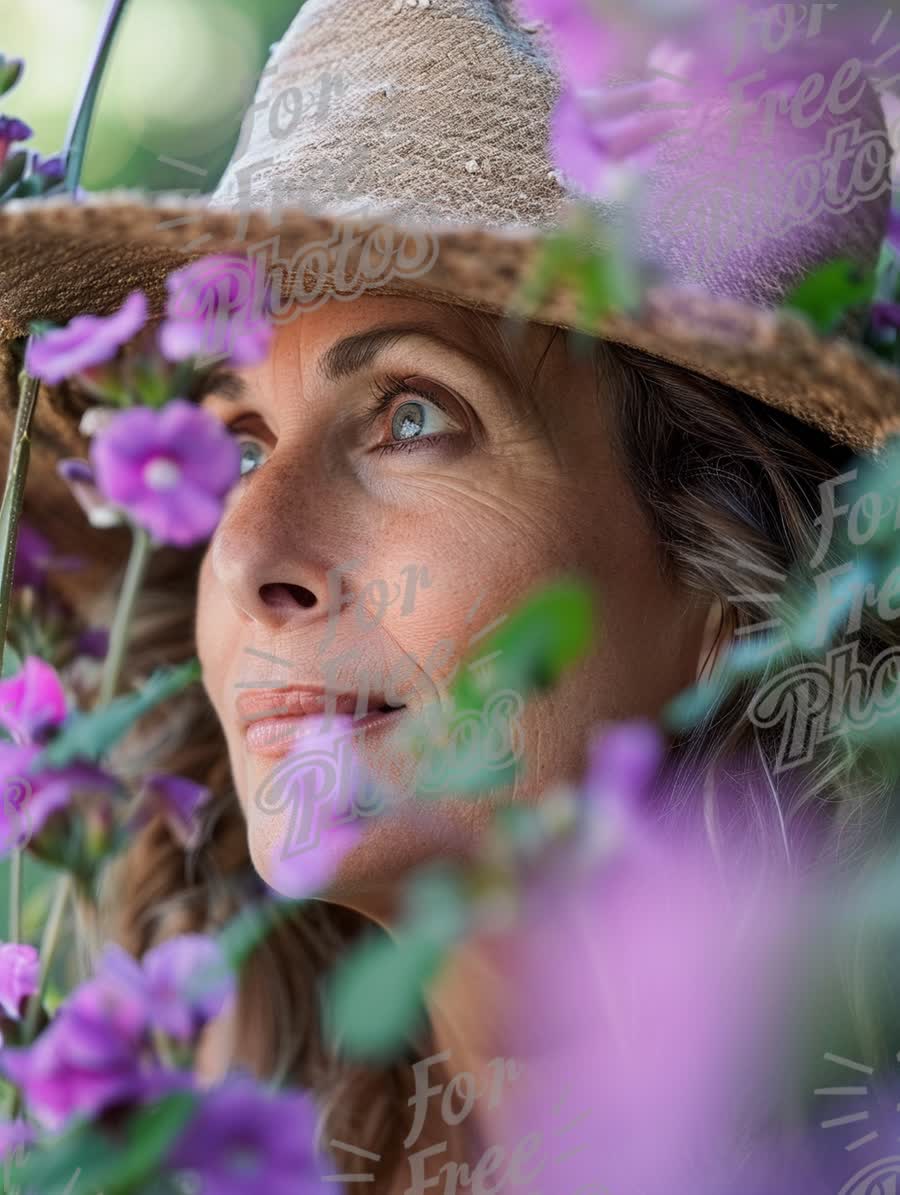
(400, 495)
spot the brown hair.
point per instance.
(731, 487)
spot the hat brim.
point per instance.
(60, 258)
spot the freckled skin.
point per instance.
(514, 497)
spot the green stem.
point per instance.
(49, 943)
(141, 546)
(77, 136)
(13, 495)
(15, 896)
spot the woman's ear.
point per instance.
(716, 638)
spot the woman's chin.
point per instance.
(389, 848)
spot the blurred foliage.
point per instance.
(180, 78)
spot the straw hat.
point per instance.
(401, 146)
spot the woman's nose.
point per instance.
(270, 552)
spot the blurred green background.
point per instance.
(181, 75)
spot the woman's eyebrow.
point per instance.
(346, 357)
(352, 354)
(224, 383)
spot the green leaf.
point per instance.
(12, 171)
(12, 661)
(828, 292)
(90, 735)
(549, 632)
(101, 1163)
(249, 928)
(374, 1000)
(10, 73)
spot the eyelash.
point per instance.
(384, 394)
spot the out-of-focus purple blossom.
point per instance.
(19, 976)
(587, 48)
(32, 702)
(318, 826)
(92, 1055)
(179, 800)
(885, 317)
(12, 130)
(636, 77)
(169, 469)
(188, 984)
(623, 762)
(217, 305)
(79, 477)
(31, 797)
(599, 135)
(14, 1135)
(182, 984)
(87, 340)
(35, 557)
(656, 988)
(93, 642)
(892, 233)
(244, 1134)
(53, 168)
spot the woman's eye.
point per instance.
(420, 417)
(416, 418)
(252, 453)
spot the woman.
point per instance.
(413, 435)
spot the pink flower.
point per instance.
(19, 977)
(170, 469)
(217, 306)
(87, 340)
(33, 701)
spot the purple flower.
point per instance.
(169, 469)
(11, 130)
(623, 762)
(178, 800)
(319, 825)
(597, 134)
(93, 642)
(91, 1056)
(586, 48)
(87, 340)
(19, 975)
(893, 229)
(32, 702)
(188, 982)
(244, 1136)
(885, 317)
(31, 797)
(53, 168)
(217, 305)
(182, 984)
(35, 556)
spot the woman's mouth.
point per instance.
(274, 720)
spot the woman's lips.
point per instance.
(273, 721)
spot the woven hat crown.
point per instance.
(438, 112)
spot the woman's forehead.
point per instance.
(343, 338)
